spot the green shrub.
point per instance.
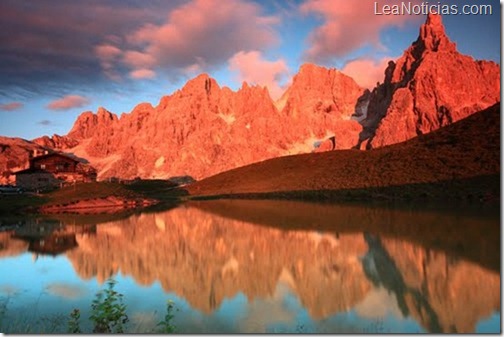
(108, 312)
(166, 325)
(74, 322)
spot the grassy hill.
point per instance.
(460, 161)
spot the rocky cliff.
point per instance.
(430, 86)
(204, 129)
(56, 142)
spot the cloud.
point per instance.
(347, 26)
(49, 47)
(136, 59)
(108, 55)
(199, 33)
(252, 68)
(142, 73)
(377, 304)
(66, 291)
(68, 102)
(11, 106)
(9, 290)
(45, 122)
(143, 321)
(367, 72)
(263, 312)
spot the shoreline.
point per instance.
(482, 190)
(477, 190)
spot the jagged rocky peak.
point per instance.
(310, 73)
(201, 84)
(56, 142)
(143, 108)
(105, 114)
(322, 90)
(433, 36)
(308, 68)
(88, 123)
(257, 91)
(430, 86)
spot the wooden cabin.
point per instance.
(54, 163)
(53, 169)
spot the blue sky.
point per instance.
(60, 58)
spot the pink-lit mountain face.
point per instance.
(430, 86)
(203, 129)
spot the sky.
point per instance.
(60, 58)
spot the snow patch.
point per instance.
(310, 144)
(160, 223)
(231, 265)
(287, 278)
(159, 162)
(280, 103)
(229, 119)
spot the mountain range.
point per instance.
(204, 129)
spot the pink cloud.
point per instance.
(107, 51)
(347, 26)
(66, 29)
(108, 56)
(200, 33)
(142, 74)
(195, 68)
(252, 68)
(367, 72)
(56, 41)
(11, 106)
(68, 102)
(136, 59)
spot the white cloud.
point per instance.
(254, 69)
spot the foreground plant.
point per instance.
(74, 322)
(166, 325)
(108, 312)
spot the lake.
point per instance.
(260, 266)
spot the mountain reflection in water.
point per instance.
(436, 268)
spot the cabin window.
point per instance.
(42, 166)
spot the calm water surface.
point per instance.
(262, 266)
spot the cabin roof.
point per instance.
(31, 171)
(54, 154)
